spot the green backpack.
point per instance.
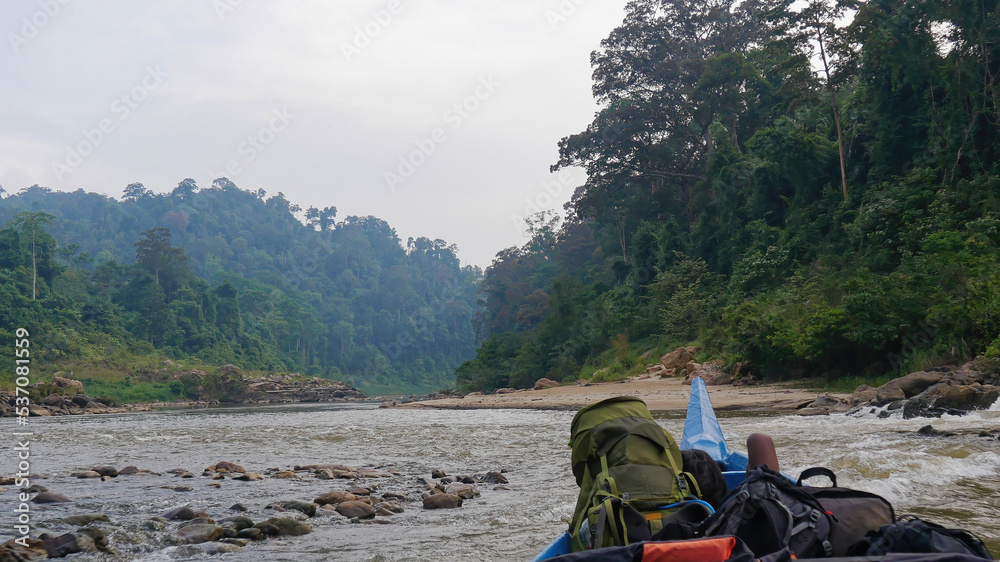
(627, 467)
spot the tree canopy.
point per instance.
(230, 276)
(794, 187)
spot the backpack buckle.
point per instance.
(682, 485)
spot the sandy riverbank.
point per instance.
(659, 394)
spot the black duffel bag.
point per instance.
(912, 534)
(854, 513)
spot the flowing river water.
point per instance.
(951, 480)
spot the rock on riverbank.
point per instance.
(929, 393)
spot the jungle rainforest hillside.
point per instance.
(807, 188)
(222, 275)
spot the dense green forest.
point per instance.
(806, 188)
(222, 275)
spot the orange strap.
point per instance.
(715, 549)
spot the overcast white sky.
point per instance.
(316, 99)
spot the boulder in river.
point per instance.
(219, 547)
(35, 550)
(387, 508)
(936, 390)
(307, 508)
(253, 533)
(250, 477)
(465, 491)
(430, 483)
(930, 430)
(963, 396)
(68, 543)
(199, 533)
(907, 386)
(334, 498)
(442, 501)
(238, 522)
(283, 527)
(864, 394)
(356, 509)
(106, 471)
(183, 513)
(494, 477)
(86, 474)
(154, 524)
(226, 466)
(50, 497)
(824, 405)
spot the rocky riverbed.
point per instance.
(359, 495)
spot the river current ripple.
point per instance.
(954, 481)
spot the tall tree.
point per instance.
(40, 243)
(156, 254)
(665, 77)
(185, 189)
(819, 23)
(135, 191)
(326, 217)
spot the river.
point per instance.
(951, 480)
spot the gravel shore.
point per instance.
(658, 393)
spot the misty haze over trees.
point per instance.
(224, 275)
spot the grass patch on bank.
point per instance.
(131, 393)
(843, 385)
(626, 359)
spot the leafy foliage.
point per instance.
(223, 275)
(842, 219)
